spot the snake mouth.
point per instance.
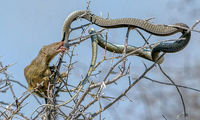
(60, 47)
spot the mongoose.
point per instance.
(38, 72)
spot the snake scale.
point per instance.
(172, 47)
(141, 52)
(159, 30)
(92, 64)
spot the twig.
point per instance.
(195, 24)
(124, 93)
(164, 117)
(182, 100)
(181, 86)
(146, 41)
(9, 84)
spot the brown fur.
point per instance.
(38, 72)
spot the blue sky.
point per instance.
(25, 26)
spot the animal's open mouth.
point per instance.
(61, 48)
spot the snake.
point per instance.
(159, 30)
(155, 29)
(92, 64)
(145, 52)
(174, 46)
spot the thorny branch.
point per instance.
(165, 83)
(94, 92)
(184, 108)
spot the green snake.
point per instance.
(141, 52)
(172, 47)
(159, 30)
(92, 64)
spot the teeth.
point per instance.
(61, 49)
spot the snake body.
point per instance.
(159, 30)
(92, 64)
(141, 52)
(172, 47)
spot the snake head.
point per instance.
(51, 50)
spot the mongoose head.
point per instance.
(51, 50)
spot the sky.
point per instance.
(25, 26)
